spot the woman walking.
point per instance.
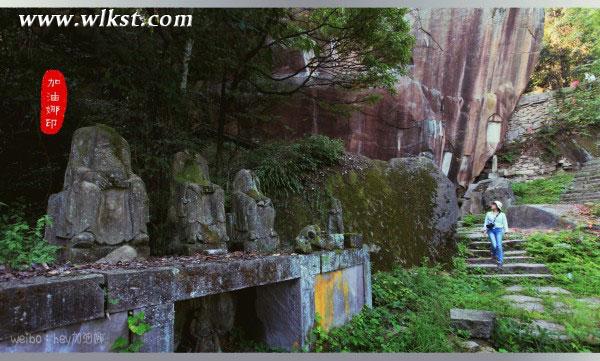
(495, 225)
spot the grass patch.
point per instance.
(572, 256)
(542, 191)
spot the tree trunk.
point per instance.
(221, 125)
(187, 54)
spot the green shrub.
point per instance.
(510, 152)
(542, 191)
(21, 246)
(471, 220)
(283, 167)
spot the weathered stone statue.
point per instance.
(197, 207)
(335, 219)
(311, 238)
(308, 237)
(253, 215)
(103, 204)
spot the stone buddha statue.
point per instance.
(103, 204)
(197, 206)
(253, 215)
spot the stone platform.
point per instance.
(87, 313)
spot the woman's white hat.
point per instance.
(498, 204)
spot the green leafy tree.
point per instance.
(571, 39)
(166, 88)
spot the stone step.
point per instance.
(581, 199)
(551, 290)
(486, 252)
(581, 190)
(582, 194)
(517, 276)
(586, 177)
(592, 161)
(584, 186)
(506, 244)
(479, 324)
(510, 268)
(509, 259)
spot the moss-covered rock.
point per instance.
(406, 209)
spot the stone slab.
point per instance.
(161, 337)
(278, 307)
(90, 336)
(540, 289)
(130, 289)
(44, 303)
(212, 278)
(334, 260)
(480, 324)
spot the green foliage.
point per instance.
(410, 313)
(21, 245)
(511, 336)
(138, 327)
(580, 110)
(572, 256)
(510, 152)
(283, 167)
(471, 220)
(542, 191)
(570, 41)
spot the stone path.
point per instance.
(517, 263)
(518, 266)
(586, 185)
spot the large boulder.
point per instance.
(406, 209)
(479, 195)
(103, 204)
(541, 216)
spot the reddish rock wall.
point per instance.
(470, 67)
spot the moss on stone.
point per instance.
(191, 173)
(391, 207)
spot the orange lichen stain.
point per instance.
(346, 291)
(325, 286)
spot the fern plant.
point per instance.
(21, 246)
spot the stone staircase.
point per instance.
(518, 269)
(517, 263)
(586, 185)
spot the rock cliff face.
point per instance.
(469, 68)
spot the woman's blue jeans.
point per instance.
(496, 235)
